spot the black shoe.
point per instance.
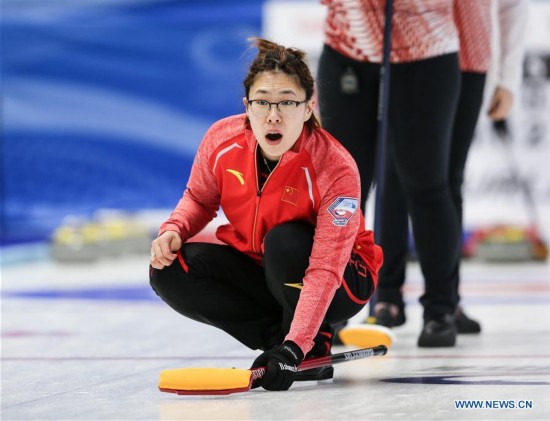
(464, 324)
(321, 373)
(438, 331)
(386, 314)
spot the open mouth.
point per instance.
(273, 136)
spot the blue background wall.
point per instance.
(105, 102)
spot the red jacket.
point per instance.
(316, 182)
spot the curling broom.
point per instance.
(224, 381)
(381, 133)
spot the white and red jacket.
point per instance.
(317, 182)
(423, 29)
(473, 20)
(420, 29)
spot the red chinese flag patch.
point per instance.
(290, 195)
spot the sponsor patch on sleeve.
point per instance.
(342, 209)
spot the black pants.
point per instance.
(254, 304)
(394, 237)
(423, 100)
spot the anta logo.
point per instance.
(237, 174)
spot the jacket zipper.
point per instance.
(258, 197)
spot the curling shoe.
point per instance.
(438, 331)
(464, 324)
(324, 374)
(387, 314)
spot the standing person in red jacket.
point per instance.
(473, 21)
(296, 256)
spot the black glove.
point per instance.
(282, 365)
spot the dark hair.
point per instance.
(273, 57)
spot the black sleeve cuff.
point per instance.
(294, 351)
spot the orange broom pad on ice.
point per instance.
(224, 381)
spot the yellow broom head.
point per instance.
(204, 379)
(367, 336)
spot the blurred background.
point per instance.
(104, 103)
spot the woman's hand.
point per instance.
(501, 104)
(282, 365)
(163, 249)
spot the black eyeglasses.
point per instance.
(261, 107)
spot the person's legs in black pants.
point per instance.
(423, 102)
(223, 288)
(394, 219)
(226, 289)
(467, 114)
